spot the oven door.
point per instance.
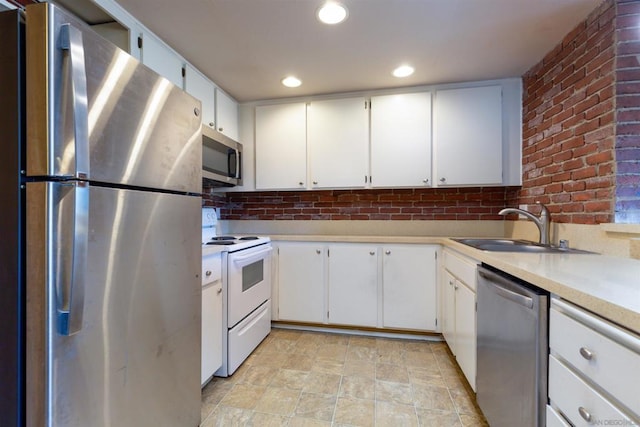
(249, 281)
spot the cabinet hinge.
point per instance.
(436, 321)
(139, 42)
(327, 314)
(476, 306)
(365, 105)
(278, 251)
(365, 179)
(436, 254)
(327, 253)
(184, 71)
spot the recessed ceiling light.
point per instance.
(332, 13)
(291, 81)
(403, 71)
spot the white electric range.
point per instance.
(246, 287)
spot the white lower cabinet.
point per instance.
(301, 278)
(357, 284)
(353, 284)
(409, 287)
(459, 311)
(594, 368)
(211, 316)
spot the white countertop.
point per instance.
(608, 286)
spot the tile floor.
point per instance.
(300, 378)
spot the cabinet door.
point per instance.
(449, 310)
(281, 146)
(401, 140)
(301, 282)
(465, 326)
(468, 136)
(353, 285)
(409, 287)
(161, 59)
(338, 138)
(211, 330)
(202, 88)
(226, 114)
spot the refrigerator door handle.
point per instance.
(70, 295)
(71, 40)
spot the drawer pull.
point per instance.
(208, 273)
(585, 414)
(586, 353)
(219, 291)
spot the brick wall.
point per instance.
(568, 124)
(396, 204)
(627, 206)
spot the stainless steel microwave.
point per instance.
(221, 158)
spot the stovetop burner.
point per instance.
(221, 242)
(223, 238)
(249, 238)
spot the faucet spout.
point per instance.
(543, 222)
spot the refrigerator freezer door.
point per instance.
(135, 359)
(137, 127)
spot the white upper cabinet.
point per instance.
(202, 88)
(160, 58)
(226, 114)
(468, 136)
(338, 138)
(281, 146)
(401, 140)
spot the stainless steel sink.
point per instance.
(514, 245)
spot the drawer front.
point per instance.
(607, 363)
(211, 268)
(462, 267)
(577, 401)
(554, 419)
(246, 335)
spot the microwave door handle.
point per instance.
(71, 40)
(238, 160)
(231, 153)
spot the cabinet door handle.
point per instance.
(586, 353)
(425, 180)
(455, 287)
(315, 182)
(450, 282)
(221, 129)
(372, 252)
(301, 183)
(318, 251)
(585, 414)
(208, 273)
(443, 179)
(211, 124)
(219, 291)
(388, 252)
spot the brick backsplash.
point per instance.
(389, 204)
(569, 124)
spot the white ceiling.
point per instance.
(248, 46)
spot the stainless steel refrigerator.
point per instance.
(100, 236)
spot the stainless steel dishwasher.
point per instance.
(513, 344)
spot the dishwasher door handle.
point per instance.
(494, 281)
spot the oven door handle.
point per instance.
(244, 260)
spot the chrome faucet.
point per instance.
(543, 222)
